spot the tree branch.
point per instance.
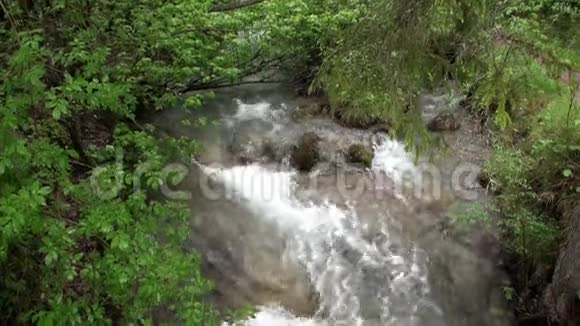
(234, 5)
(252, 67)
(240, 83)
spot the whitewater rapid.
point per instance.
(344, 244)
(361, 276)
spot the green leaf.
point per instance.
(193, 102)
(567, 173)
(121, 241)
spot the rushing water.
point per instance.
(311, 249)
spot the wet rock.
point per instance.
(245, 159)
(247, 149)
(444, 121)
(382, 127)
(269, 150)
(261, 152)
(306, 154)
(307, 111)
(246, 153)
(358, 153)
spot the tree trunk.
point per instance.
(561, 296)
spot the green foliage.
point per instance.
(512, 172)
(504, 54)
(555, 15)
(529, 59)
(509, 293)
(532, 237)
(539, 173)
(556, 145)
(509, 57)
(513, 82)
(399, 49)
(81, 242)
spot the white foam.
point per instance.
(344, 265)
(392, 159)
(260, 110)
(277, 316)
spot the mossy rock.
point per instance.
(352, 119)
(306, 154)
(360, 154)
(355, 121)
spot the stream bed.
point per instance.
(343, 244)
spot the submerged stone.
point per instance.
(306, 154)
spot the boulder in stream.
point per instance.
(359, 153)
(306, 154)
(444, 121)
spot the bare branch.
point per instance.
(234, 5)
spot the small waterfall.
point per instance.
(392, 159)
(362, 277)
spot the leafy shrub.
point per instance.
(81, 239)
(537, 176)
(471, 215)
